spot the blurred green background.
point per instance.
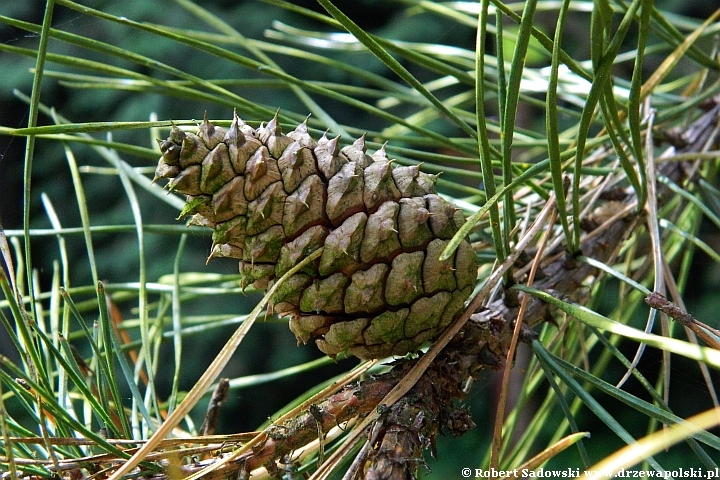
(270, 346)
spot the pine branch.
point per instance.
(406, 429)
(409, 427)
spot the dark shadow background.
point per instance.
(270, 346)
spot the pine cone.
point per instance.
(378, 288)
